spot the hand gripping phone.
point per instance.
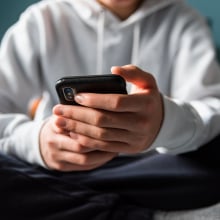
(68, 87)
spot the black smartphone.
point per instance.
(67, 87)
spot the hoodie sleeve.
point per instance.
(192, 110)
(20, 81)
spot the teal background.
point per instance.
(211, 9)
(11, 9)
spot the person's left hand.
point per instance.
(115, 122)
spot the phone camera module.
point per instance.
(69, 93)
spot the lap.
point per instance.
(155, 181)
(31, 192)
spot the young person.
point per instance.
(163, 49)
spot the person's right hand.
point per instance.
(60, 152)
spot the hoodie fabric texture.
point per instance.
(56, 38)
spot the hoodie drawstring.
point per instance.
(136, 42)
(100, 42)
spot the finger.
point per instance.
(104, 119)
(66, 143)
(129, 147)
(114, 102)
(69, 167)
(105, 134)
(109, 102)
(135, 76)
(90, 159)
(145, 85)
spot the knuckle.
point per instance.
(87, 143)
(99, 119)
(152, 80)
(141, 124)
(52, 156)
(134, 150)
(70, 125)
(79, 148)
(53, 162)
(103, 145)
(50, 142)
(88, 168)
(102, 134)
(117, 103)
(57, 120)
(134, 68)
(83, 160)
(84, 142)
(59, 166)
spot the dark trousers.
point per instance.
(127, 188)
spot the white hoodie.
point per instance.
(56, 38)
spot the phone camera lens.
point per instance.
(69, 93)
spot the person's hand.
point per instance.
(114, 122)
(61, 152)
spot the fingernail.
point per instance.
(79, 98)
(61, 123)
(73, 135)
(113, 68)
(58, 111)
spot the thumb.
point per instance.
(136, 76)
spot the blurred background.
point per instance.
(210, 9)
(11, 9)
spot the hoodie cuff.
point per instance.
(177, 130)
(25, 142)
